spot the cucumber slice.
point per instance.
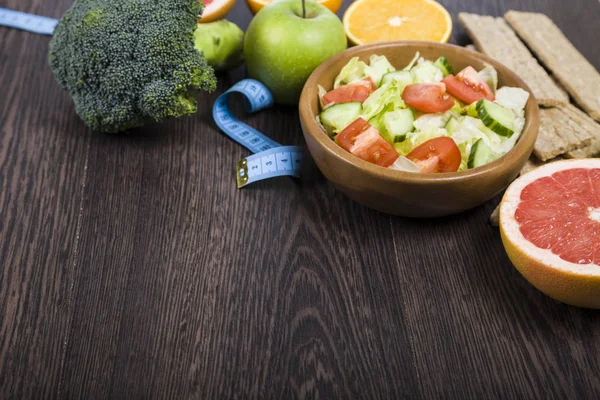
(444, 66)
(397, 124)
(498, 119)
(481, 154)
(452, 125)
(401, 78)
(338, 116)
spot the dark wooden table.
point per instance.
(132, 267)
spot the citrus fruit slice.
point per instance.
(256, 5)
(550, 228)
(215, 9)
(368, 21)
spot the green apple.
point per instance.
(221, 42)
(284, 45)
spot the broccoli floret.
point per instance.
(125, 63)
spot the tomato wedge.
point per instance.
(440, 154)
(427, 97)
(468, 86)
(364, 141)
(367, 82)
(355, 91)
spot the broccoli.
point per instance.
(125, 63)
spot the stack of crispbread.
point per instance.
(565, 130)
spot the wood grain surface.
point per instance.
(132, 267)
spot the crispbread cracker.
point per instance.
(587, 124)
(548, 143)
(494, 37)
(570, 67)
(568, 129)
(593, 150)
(559, 134)
(529, 166)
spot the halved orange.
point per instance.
(256, 5)
(215, 9)
(368, 21)
(550, 228)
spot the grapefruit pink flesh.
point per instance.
(550, 228)
(215, 10)
(558, 213)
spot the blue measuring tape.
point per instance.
(27, 22)
(271, 159)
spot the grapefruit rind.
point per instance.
(216, 10)
(570, 283)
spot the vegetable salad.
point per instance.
(424, 117)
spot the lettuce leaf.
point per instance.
(404, 164)
(352, 72)
(508, 143)
(378, 100)
(513, 98)
(426, 72)
(431, 121)
(490, 76)
(356, 70)
(412, 62)
(322, 92)
(378, 67)
(459, 107)
(471, 129)
(415, 138)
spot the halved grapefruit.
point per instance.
(550, 227)
(215, 9)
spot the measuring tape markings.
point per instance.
(278, 161)
(27, 22)
(271, 159)
(244, 134)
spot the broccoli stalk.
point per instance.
(126, 63)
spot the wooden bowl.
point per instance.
(404, 193)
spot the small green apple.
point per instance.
(286, 42)
(221, 42)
